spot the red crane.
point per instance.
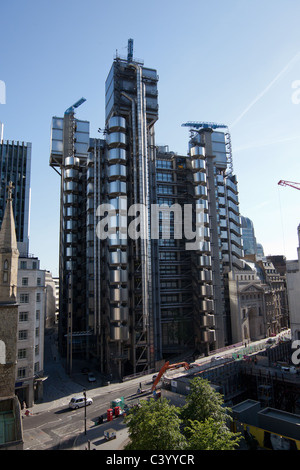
(168, 366)
(289, 183)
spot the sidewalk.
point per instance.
(94, 437)
(59, 388)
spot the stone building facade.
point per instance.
(10, 417)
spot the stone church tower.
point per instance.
(9, 255)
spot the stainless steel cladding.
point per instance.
(117, 171)
(117, 276)
(116, 139)
(116, 154)
(118, 314)
(56, 143)
(119, 333)
(198, 164)
(197, 151)
(117, 123)
(200, 178)
(117, 257)
(200, 191)
(117, 187)
(120, 294)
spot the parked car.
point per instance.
(79, 402)
(217, 358)
(91, 377)
(291, 370)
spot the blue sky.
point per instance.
(232, 62)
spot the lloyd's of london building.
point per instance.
(128, 302)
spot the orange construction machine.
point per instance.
(168, 366)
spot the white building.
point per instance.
(293, 288)
(31, 297)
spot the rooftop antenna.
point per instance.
(130, 50)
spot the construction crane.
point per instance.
(168, 366)
(75, 105)
(289, 183)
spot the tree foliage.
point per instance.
(155, 425)
(203, 402)
(201, 424)
(210, 435)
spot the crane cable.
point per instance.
(281, 218)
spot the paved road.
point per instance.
(52, 425)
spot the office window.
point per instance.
(23, 316)
(22, 353)
(23, 335)
(164, 164)
(24, 298)
(164, 176)
(24, 281)
(21, 372)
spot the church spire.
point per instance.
(9, 253)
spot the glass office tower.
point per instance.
(15, 166)
(108, 281)
(130, 298)
(210, 145)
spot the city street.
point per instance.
(51, 424)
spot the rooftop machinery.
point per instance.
(213, 125)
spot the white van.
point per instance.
(78, 402)
(291, 369)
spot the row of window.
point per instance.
(168, 177)
(23, 334)
(22, 371)
(25, 281)
(24, 298)
(31, 265)
(23, 316)
(251, 296)
(164, 164)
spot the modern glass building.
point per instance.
(15, 166)
(129, 299)
(107, 281)
(248, 234)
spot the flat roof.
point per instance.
(245, 405)
(281, 415)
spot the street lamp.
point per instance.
(84, 394)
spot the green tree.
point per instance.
(203, 402)
(206, 419)
(155, 425)
(210, 435)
